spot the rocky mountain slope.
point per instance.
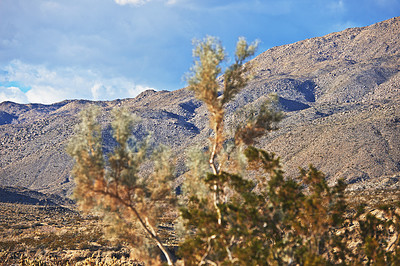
(21, 195)
(340, 94)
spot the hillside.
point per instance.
(340, 94)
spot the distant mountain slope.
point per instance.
(26, 196)
(351, 82)
(340, 92)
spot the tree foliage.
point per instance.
(131, 203)
(266, 218)
(260, 216)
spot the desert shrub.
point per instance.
(131, 204)
(260, 216)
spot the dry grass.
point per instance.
(37, 235)
(373, 198)
(53, 235)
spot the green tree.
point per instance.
(130, 203)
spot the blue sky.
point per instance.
(52, 50)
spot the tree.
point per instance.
(203, 82)
(131, 203)
(263, 216)
(216, 239)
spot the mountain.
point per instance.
(340, 94)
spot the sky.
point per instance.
(53, 50)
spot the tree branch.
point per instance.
(144, 223)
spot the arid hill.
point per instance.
(340, 94)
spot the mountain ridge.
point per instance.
(340, 93)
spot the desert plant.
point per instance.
(226, 212)
(261, 218)
(130, 203)
(376, 233)
(203, 81)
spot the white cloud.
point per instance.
(50, 86)
(176, 2)
(337, 6)
(46, 94)
(12, 94)
(131, 2)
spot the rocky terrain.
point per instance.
(340, 94)
(52, 235)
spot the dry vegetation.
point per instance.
(31, 234)
(373, 198)
(54, 235)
